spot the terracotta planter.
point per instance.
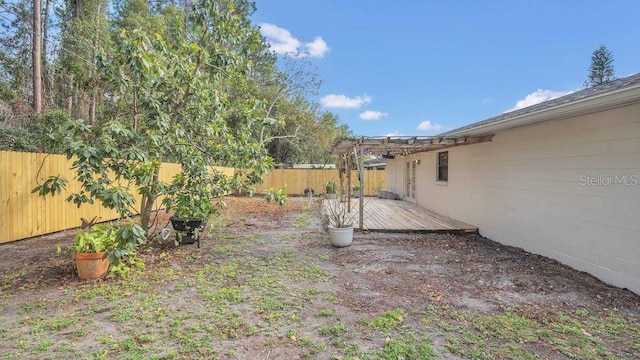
(341, 237)
(91, 266)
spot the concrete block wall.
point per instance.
(568, 189)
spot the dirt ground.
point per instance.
(464, 274)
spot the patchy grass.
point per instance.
(262, 294)
(519, 334)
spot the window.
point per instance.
(443, 166)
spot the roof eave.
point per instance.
(597, 103)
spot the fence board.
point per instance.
(24, 215)
(297, 180)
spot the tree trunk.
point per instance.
(47, 78)
(146, 205)
(69, 104)
(37, 59)
(94, 73)
(92, 107)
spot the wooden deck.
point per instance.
(400, 216)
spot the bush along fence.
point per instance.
(24, 214)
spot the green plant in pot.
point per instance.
(330, 189)
(91, 248)
(356, 190)
(190, 217)
(192, 203)
(98, 248)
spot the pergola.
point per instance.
(354, 150)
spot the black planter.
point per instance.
(187, 228)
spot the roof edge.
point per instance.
(578, 103)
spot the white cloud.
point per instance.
(317, 48)
(372, 115)
(537, 97)
(428, 126)
(341, 101)
(283, 42)
(395, 133)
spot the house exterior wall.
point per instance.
(567, 189)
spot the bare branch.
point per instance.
(264, 141)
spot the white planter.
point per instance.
(341, 237)
(331, 196)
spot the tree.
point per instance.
(83, 33)
(171, 101)
(16, 47)
(601, 69)
(37, 57)
(298, 132)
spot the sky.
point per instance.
(423, 67)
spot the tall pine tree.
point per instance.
(601, 69)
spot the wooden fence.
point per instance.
(24, 214)
(298, 180)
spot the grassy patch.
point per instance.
(269, 293)
(304, 220)
(389, 320)
(514, 333)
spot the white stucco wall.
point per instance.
(567, 189)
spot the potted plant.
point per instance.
(191, 210)
(91, 248)
(330, 189)
(356, 190)
(341, 222)
(189, 217)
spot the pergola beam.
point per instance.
(402, 145)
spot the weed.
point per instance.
(335, 330)
(63, 323)
(305, 341)
(318, 347)
(581, 312)
(255, 238)
(230, 352)
(27, 308)
(325, 312)
(304, 220)
(388, 321)
(42, 347)
(408, 350)
(287, 237)
(230, 294)
(223, 250)
(330, 298)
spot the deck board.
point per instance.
(400, 216)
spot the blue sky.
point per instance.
(425, 67)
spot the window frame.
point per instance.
(442, 167)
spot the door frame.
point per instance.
(410, 168)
